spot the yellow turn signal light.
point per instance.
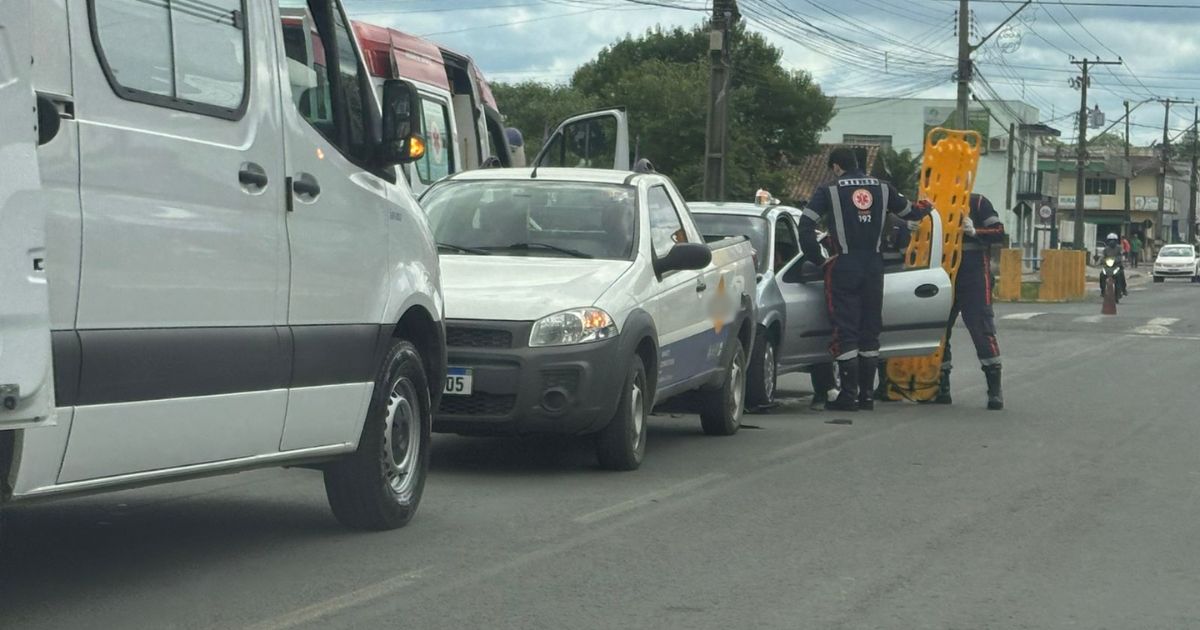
(416, 147)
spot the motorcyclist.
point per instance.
(1113, 249)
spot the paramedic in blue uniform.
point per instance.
(853, 206)
(973, 298)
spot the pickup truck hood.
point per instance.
(519, 288)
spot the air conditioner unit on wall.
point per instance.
(998, 144)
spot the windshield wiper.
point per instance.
(566, 250)
(464, 250)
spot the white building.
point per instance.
(902, 124)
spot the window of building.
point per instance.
(867, 140)
(183, 55)
(1100, 186)
(665, 227)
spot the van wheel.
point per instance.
(721, 410)
(379, 486)
(762, 374)
(621, 445)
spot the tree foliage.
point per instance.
(902, 169)
(661, 77)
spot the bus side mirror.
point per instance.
(400, 143)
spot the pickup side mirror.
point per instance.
(683, 256)
(401, 120)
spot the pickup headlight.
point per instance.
(578, 325)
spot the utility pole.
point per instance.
(725, 15)
(1128, 176)
(1058, 184)
(1191, 218)
(1166, 164)
(1081, 157)
(1012, 139)
(965, 49)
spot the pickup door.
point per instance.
(916, 306)
(593, 140)
(26, 375)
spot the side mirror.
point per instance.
(401, 120)
(803, 272)
(684, 256)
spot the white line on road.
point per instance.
(355, 598)
(1089, 319)
(646, 499)
(1162, 321)
(1021, 315)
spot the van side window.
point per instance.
(665, 227)
(329, 86)
(435, 125)
(189, 56)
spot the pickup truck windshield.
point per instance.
(532, 218)
(715, 227)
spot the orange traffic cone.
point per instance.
(1110, 298)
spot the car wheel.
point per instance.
(379, 486)
(721, 410)
(762, 374)
(621, 445)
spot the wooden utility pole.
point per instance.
(1081, 154)
(716, 144)
(965, 49)
(1191, 217)
(1165, 166)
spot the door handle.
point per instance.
(926, 291)
(701, 286)
(306, 186)
(253, 176)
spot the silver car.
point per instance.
(794, 331)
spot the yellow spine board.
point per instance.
(947, 178)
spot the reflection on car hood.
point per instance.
(519, 288)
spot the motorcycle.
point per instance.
(1111, 276)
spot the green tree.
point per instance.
(902, 169)
(1107, 140)
(535, 108)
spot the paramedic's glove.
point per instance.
(913, 226)
(968, 226)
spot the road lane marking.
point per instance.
(1021, 315)
(1162, 321)
(646, 499)
(1089, 319)
(320, 610)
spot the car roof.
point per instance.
(738, 208)
(582, 175)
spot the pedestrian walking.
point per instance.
(1125, 248)
(973, 299)
(855, 205)
(1135, 250)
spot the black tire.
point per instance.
(762, 375)
(621, 445)
(369, 489)
(721, 409)
(1158, 279)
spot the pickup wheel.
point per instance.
(721, 409)
(621, 444)
(379, 486)
(762, 373)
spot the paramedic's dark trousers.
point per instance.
(973, 300)
(854, 297)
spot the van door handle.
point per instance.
(253, 176)
(926, 291)
(306, 186)
(701, 286)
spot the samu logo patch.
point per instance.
(863, 200)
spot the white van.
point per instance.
(460, 120)
(237, 277)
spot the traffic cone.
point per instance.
(1110, 298)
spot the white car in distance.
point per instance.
(1177, 261)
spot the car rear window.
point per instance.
(718, 226)
(534, 218)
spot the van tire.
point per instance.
(369, 489)
(621, 445)
(721, 409)
(762, 374)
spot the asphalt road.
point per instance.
(1076, 507)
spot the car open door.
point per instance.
(916, 304)
(26, 371)
(597, 139)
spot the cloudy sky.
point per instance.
(877, 48)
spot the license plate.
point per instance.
(458, 382)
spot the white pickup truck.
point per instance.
(577, 299)
(218, 267)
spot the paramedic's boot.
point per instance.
(943, 394)
(847, 399)
(867, 366)
(995, 397)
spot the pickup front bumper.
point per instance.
(521, 390)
